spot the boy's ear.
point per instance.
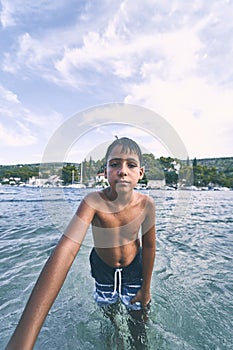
(105, 172)
(141, 173)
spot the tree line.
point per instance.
(209, 172)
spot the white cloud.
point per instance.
(21, 127)
(31, 52)
(7, 95)
(6, 14)
(174, 57)
(20, 136)
(198, 111)
(127, 38)
(13, 11)
(103, 135)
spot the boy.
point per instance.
(120, 267)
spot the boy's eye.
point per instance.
(113, 165)
(132, 165)
(117, 164)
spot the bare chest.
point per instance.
(115, 229)
(121, 218)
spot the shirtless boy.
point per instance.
(121, 265)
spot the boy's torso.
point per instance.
(115, 233)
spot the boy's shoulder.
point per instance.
(147, 202)
(98, 200)
(94, 199)
(92, 196)
(144, 197)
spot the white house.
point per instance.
(101, 180)
(156, 183)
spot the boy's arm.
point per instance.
(148, 254)
(43, 295)
(148, 257)
(51, 280)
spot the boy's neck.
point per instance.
(119, 198)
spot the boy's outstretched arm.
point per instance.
(43, 295)
(51, 280)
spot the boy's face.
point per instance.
(123, 170)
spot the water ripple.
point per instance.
(192, 282)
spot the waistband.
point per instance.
(111, 268)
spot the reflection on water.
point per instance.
(192, 281)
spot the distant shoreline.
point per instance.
(207, 159)
(173, 172)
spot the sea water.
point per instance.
(192, 285)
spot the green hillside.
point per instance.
(198, 172)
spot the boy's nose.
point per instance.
(122, 170)
(122, 173)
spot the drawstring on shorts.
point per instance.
(117, 273)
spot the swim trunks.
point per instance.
(112, 283)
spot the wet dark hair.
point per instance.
(128, 146)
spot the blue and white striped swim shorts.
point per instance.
(114, 283)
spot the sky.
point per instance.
(60, 58)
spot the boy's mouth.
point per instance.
(123, 182)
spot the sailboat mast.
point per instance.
(81, 175)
